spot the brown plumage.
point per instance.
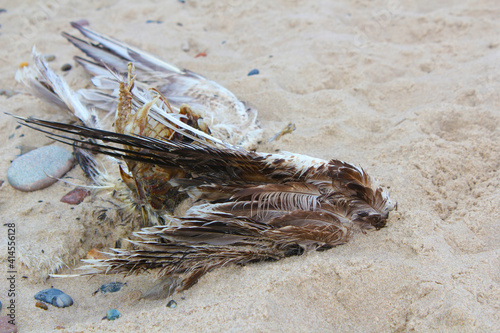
(246, 206)
(249, 206)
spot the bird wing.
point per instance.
(225, 114)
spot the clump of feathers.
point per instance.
(244, 206)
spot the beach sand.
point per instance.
(408, 91)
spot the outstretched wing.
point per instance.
(225, 115)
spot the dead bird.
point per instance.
(245, 206)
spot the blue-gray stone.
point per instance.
(113, 314)
(111, 287)
(39, 168)
(55, 297)
(254, 71)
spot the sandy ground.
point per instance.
(410, 92)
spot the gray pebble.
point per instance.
(39, 168)
(55, 297)
(185, 46)
(111, 287)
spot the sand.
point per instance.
(408, 91)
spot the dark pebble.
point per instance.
(55, 297)
(39, 168)
(254, 71)
(111, 287)
(172, 304)
(65, 67)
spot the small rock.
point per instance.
(55, 297)
(185, 46)
(172, 304)
(75, 196)
(113, 314)
(41, 305)
(6, 326)
(66, 67)
(111, 287)
(254, 71)
(39, 168)
(49, 57)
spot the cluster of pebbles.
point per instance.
(60, 299)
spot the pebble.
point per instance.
(0, 306)
(5, 326)
(75, 196)
(111, 287)
(172, 304)
(65, 67)
(113, 314)
(185, 46)
(254, 71)
(49, 57)
(41, 305)
(39, 168)
(55, 297)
